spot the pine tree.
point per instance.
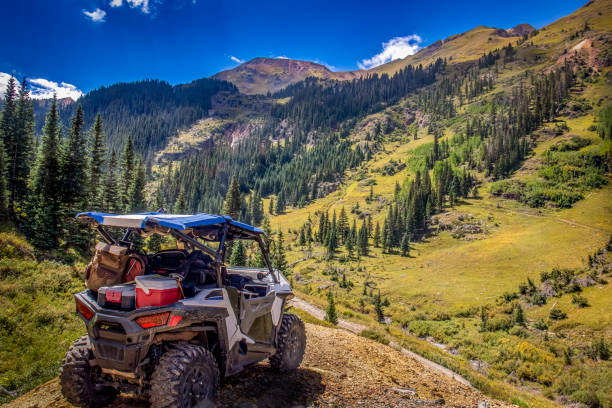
(3, 207)
(330, 311)
(19, 156)
(73, 174)
(73, 165)
(378, 308)
(258, 261)
(280, 203)
(518, 315)
(136, 193)
(265, 226)
(256, 209)
(405, 245)
(484, 319)
(239, 256)
(386, 237)
(377, 235)
(232, 204)
(44, 212)
(348, 243)
(302, 238)
(271, 206)
(364, 245)
(332, 241)
(342, 225)
(180, 207)
(109, 198)
(126, 173)
(280, 260)
(97, 152)
(7, 133)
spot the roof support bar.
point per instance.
(179, 235)
(264, 251)
(107, 237)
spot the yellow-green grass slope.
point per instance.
(437, 292)
(37, 319)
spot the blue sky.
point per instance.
(90, 43)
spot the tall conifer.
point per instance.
(232, 203)
(109, 201)
(45, 201)
(97, 153)
(19, 158)
(127, 173)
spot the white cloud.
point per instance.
(282, 57)
(236, 59)
(395, 48)
(41, 88)
(143, 5)
(97, 15)
(4, 79)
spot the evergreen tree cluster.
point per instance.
(43, 187)
(292, 166)
(317, 104)
(150, 111)
(333, 232)
(494, 143)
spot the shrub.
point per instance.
(537, 299)
(579, 300)
(541, 325)
(509, 296)
(500, 322)
(519, 331)
(557, 314)
(374, 335)
(600, 349)
(588, 398)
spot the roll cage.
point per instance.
(191, 230)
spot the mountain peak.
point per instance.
(262, 75)
(521, 30)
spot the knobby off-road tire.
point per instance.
(290, 345)
(77, 378)
(187, 376)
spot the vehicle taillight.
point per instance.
(153, 320)
(84, 310)
(175, 320)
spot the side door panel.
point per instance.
(256, 317)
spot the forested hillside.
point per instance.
(150, 112)
(456, 202)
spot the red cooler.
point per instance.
(156, 290)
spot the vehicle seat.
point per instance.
(239, 281)
(167, 261)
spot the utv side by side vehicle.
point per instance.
(165, 326)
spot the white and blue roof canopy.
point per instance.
(175, 221)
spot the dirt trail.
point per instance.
(339, 369)
(358, 328)
(552, 217)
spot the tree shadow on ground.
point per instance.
(260, 386)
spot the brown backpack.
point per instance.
(107, 266)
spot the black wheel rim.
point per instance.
(196, 388)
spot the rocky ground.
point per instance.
(340, 369)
